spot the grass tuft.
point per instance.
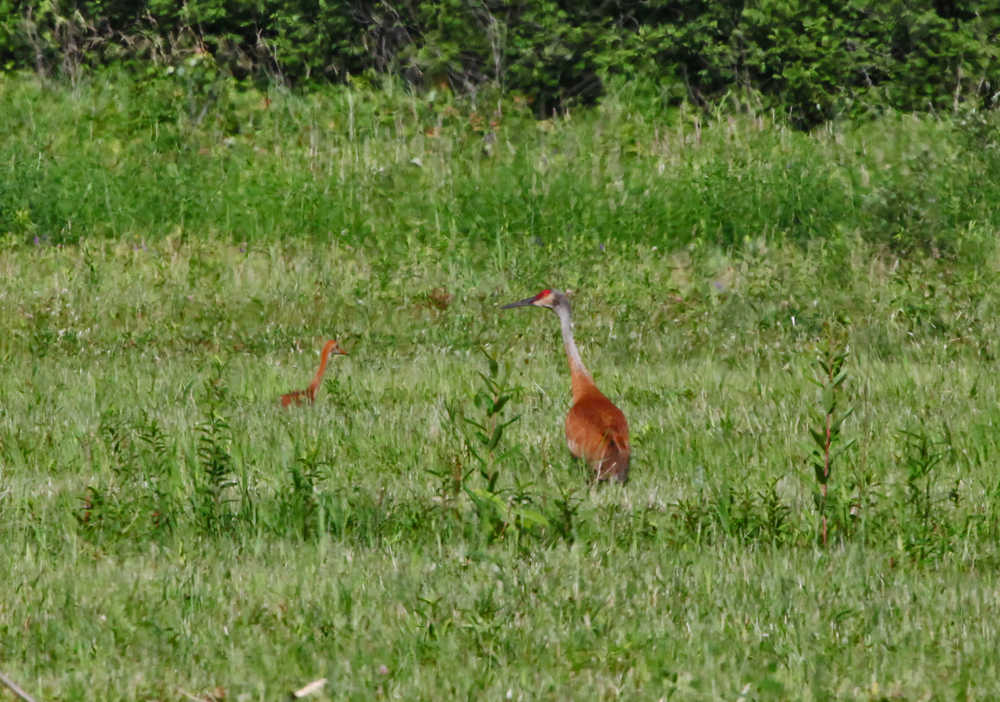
(420, 531)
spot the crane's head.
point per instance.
(552, 299)
(333, 347)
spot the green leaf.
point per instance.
(819, 437)
(842, 449)
(497, 434)
(820, 478)
(499, 404)
(474, 453)
(829, 400)
(836, 424)
(476, 424)
(839, 378)
(530, 517)
(485, 497)
(506, 454)
(511, 421)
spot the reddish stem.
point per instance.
(826, 458)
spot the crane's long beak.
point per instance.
(520, 303)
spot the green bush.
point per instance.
(809, 58)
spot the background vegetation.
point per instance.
(810, 59)
(180, 152)
(796, 313)
(174, 243)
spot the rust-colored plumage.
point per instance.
(309, 394)
(596, 430)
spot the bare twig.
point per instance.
(15, 689)
(32, 31)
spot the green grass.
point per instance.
(166, 528)
(343, 164)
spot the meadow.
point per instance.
(176, 248)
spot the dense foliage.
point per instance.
(800, 327)
(193, 154)
(811, 58)
(169, 530)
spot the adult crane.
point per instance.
(596, 430)
(309, 394)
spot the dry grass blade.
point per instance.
(217, 695)
(15, 688)
(309, 689)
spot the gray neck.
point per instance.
(575, 362)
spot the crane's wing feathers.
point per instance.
(597, 431)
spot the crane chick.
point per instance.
(309, 394)
(596, 430)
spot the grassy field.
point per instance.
(167, 530)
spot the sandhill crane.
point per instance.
(309, 394)
(596, 430)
